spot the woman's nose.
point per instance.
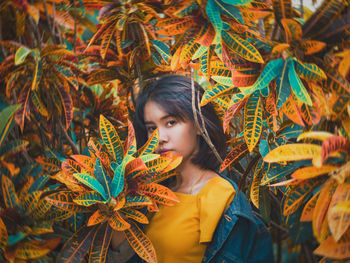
(162, 135)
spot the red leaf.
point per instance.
(334, 144)
(232, 111)
(238, 152)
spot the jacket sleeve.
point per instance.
(261, 249)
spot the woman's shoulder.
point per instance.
(217, 185)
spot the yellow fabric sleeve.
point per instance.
(212, 203)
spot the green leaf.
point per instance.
(236, 2)
(270, 71)
(149, 146)
(117, 184)
(89, 198)
(283, 86)
(163, 49)
(91, 182)
(309, 71)
(6, 118)
(21, 55)
(252, 120)
(227, 81)
(242, 47)
(297, 86)
(212, 10)
(216, 91)
(111, 139)
(14, 147)
(200, 52)
(101, 176)
(230, 10)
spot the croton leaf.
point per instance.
(149, 146)
(309, 71)
(77, 245)
(117, 222)
(241, 47)
(162, 49)
(158, 192)
(338, 219)
(3, 235)
(213, 12)
(89, 198)
(293, 152)
(67, 105)
(9, 194)
(21, 55)
(96, 218)
(140, 243)
(33, 249)
(135, 215)
(234, 155)
(111, 139)
(270, 72)
(91, 182)
(64, 200)
(252, 120)
(102, 176)
(6, 117)
(100, 243)
(334, 144)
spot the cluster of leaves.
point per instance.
(112, 183)
(276, 76)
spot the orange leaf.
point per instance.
(96, 218)
(141, 244)
(206, 35)
(158, 192)
(232, 111)
(235, 154)
(311, 171)
(320, 213)
(312, 46)
(336, 250)
(339, 221)
(290, 109)
(309, 208)
(117, 222)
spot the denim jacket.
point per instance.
(239, 236)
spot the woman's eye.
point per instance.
(171, 123)
(150, 129)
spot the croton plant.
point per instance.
(114, 184)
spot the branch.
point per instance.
(202, 128)
(49, 23)
(74, 147)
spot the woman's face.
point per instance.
(175, 135)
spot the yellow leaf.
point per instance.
(315, 135)
(293, 152)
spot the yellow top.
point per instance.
(180, 233)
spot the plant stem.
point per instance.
(201, 128)
(71, 143)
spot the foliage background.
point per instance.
(277, 74)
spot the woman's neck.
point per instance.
(191, 178)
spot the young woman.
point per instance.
(213, 222)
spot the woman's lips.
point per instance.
(162, 151)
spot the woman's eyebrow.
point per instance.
(162, 118)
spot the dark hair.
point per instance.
(174, 94)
